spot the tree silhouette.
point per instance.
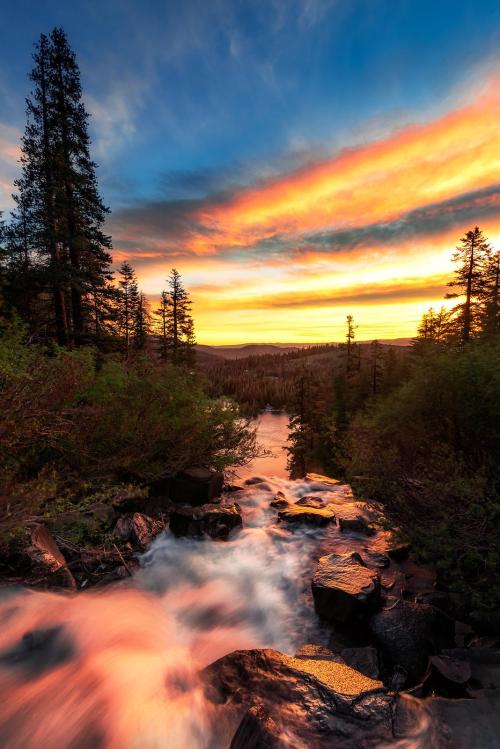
(472, 256)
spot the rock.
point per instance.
(310, 515)
(317, 652)
(45, 551)
(254, 480)
(39, 651)
(484, 664)
(231, 488)
(325, 481)
(344, 588)
(409, 632)
(363, 659)
(376, 559)
(196, 486)
(296, 702)
(310, 501)
(447, 676)
(214, 520)
(279, 501)
(138, 528)
(357, 524)
(399, 552)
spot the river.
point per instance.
(272, 435)
(118, 668)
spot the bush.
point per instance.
(81, 412)
(429, 453)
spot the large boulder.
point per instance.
(343, 588)
(214, 520)
(193, 486)
(310, 515)
(298, 702)
(408, 633)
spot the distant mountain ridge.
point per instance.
(240, 351)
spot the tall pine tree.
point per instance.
(58, 201)
(179, 322)
(472, 256)
(128, 301)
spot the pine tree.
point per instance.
(180, 326)
(491, 297)
(128, 301)
(376, 365)
(472, 254)
(57, 195)
(350, 336)
(162, 325)
(141, 322)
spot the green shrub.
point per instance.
(429, 453)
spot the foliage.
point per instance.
(429, 453)
(94, 415)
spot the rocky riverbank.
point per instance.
(316, 628)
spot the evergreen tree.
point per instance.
(59, 214)
(142, 322)
(472, 256)
(376, 365)
(128, 301)
(351, 361)
(180, 326)
(162, 325)
(491, 297)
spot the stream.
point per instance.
(118, 668)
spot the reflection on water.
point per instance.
(272, 434)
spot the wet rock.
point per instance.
(45, 552)
(469, 724)
(231, 488)
(409, 632)
(357, 524)
(309, 515)
(343, 588)
(363, 659)
(39, 651)
(214, 520)
(279, 502)
(399, 552)
(138, 528)
(254, 480)
(196, 486)
(310, 501)
(299, 702)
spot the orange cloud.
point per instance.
(423, 164)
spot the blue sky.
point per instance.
(189, 96)
(197, 105)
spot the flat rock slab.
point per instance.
(312, 703)
(197, 486)
(310, 515)
(344, 588)
(214, 520)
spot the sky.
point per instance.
(295, 160)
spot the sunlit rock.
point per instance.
(310, 501)
(344, 588)
(310, 515)
(299, 702)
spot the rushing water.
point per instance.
(117, 669)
